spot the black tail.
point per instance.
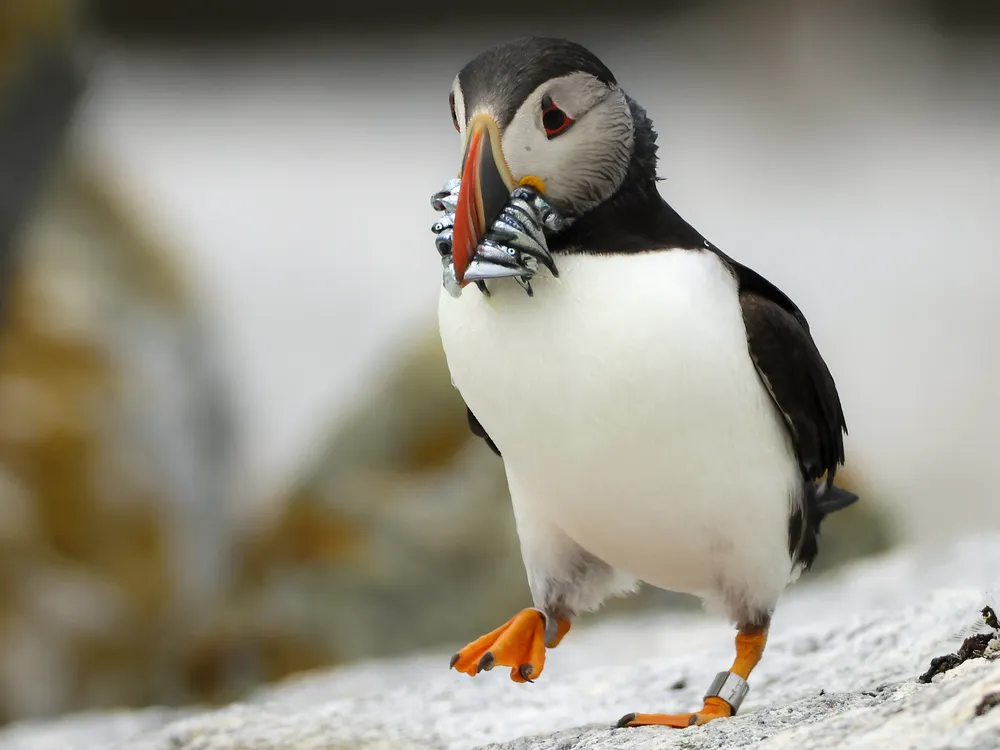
(832, 498)
(819, 501)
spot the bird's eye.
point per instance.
(554, 120)
(454, 114)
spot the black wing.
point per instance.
(479, 431)
(794, 373)
(802, 388)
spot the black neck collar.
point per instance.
(635, 218)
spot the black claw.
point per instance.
(454, 661)
(525, 671)
(625, 721)
(693, 720)
(482, 288)
(486, 663)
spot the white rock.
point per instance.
(84, 731)
(840, 671)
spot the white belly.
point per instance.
(628, 412)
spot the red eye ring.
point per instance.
(554, 120)
(454, 114)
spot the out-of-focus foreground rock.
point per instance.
(399, 535)
(114, 446)
(841, 670)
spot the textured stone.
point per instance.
(96, 730)
(840, 670)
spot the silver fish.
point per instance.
(448, 278)
(445, 222)
(512, 248)
(484, 270)
(550, 218)
(490, 251)
(517, 228)
(443, 242)
(446, 198)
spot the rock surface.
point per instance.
(840, 670)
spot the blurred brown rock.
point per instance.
(113, 456)
(400, 536)
(24, 22)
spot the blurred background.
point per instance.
(229, 447)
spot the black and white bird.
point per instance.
(661, 410)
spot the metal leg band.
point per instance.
(729, 687)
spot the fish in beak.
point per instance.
(486, 185)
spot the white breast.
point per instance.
(628, 411)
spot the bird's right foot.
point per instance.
(728, 689)
(519, 643)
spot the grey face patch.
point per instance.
(583, 166)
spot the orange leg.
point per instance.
(519, 644)
(750, 643)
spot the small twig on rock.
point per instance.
(972, 648)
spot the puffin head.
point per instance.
(549, 114)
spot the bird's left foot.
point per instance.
(714, 708)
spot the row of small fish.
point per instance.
(513, 247)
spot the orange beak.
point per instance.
(485, 189)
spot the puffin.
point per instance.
(662, 411)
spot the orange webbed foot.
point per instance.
(728, 689)
(519, 644)
(714, 708)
